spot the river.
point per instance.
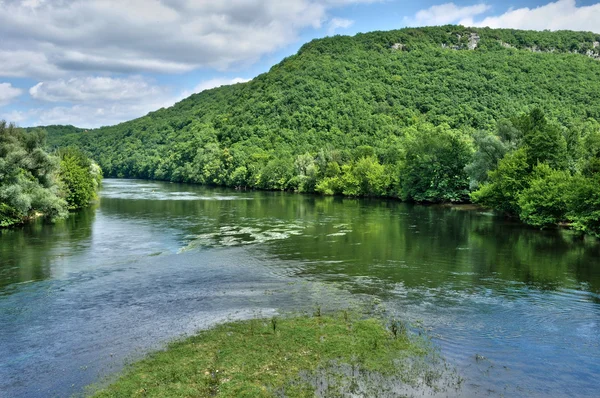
(515, 310)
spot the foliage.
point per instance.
(490, 149)
(27, 177)
(543, 141)
(544, 201)
(584, 204)
(542, 181)
(80, 177)
(33, 182)
(505, 183)
(434, 165)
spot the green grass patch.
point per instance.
(273, 357)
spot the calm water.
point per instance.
(516, 310)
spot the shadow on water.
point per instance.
(27, 253)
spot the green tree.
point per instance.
(490, 149)
(544, 202)
(584, 204)
(80, 177)
(366, 177)
(434, 167)
(27, 177)
(505, 184)
(544, 141)
(276, 174)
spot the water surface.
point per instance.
(516, 310)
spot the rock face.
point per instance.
(473, 41)
(593, 54)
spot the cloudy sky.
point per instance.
(99, 62)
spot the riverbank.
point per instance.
(299, 356)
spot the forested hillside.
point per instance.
(426, 114)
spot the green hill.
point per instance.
(422, 114)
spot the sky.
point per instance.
(93, 63)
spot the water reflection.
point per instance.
(429, 246)
(28, 253)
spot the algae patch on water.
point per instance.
(300, 356)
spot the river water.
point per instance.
(515, 310)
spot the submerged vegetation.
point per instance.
(302, 356)
(34, 182)
(508, 118)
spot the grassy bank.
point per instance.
(292, 356)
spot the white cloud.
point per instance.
(99, 101)
(444, 14)
(22, 63)
(93, 116)
(87, 115)
(339, 23)
(562, 14)
(95, 89)
(8, 93)
(43, 38)
(15, 117)
(83, 53)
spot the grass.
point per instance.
(269, 358)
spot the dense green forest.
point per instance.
(506, 118)
(34, 182)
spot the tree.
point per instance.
(490, 149)
(545, 202)
(276, 174)
(434, 167)
(366, 177)
(584, 204)
(544, 141)
(505, 184)
(27, 177)
(79, 176)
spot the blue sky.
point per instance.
(100, 62)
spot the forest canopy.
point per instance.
(506, 118)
